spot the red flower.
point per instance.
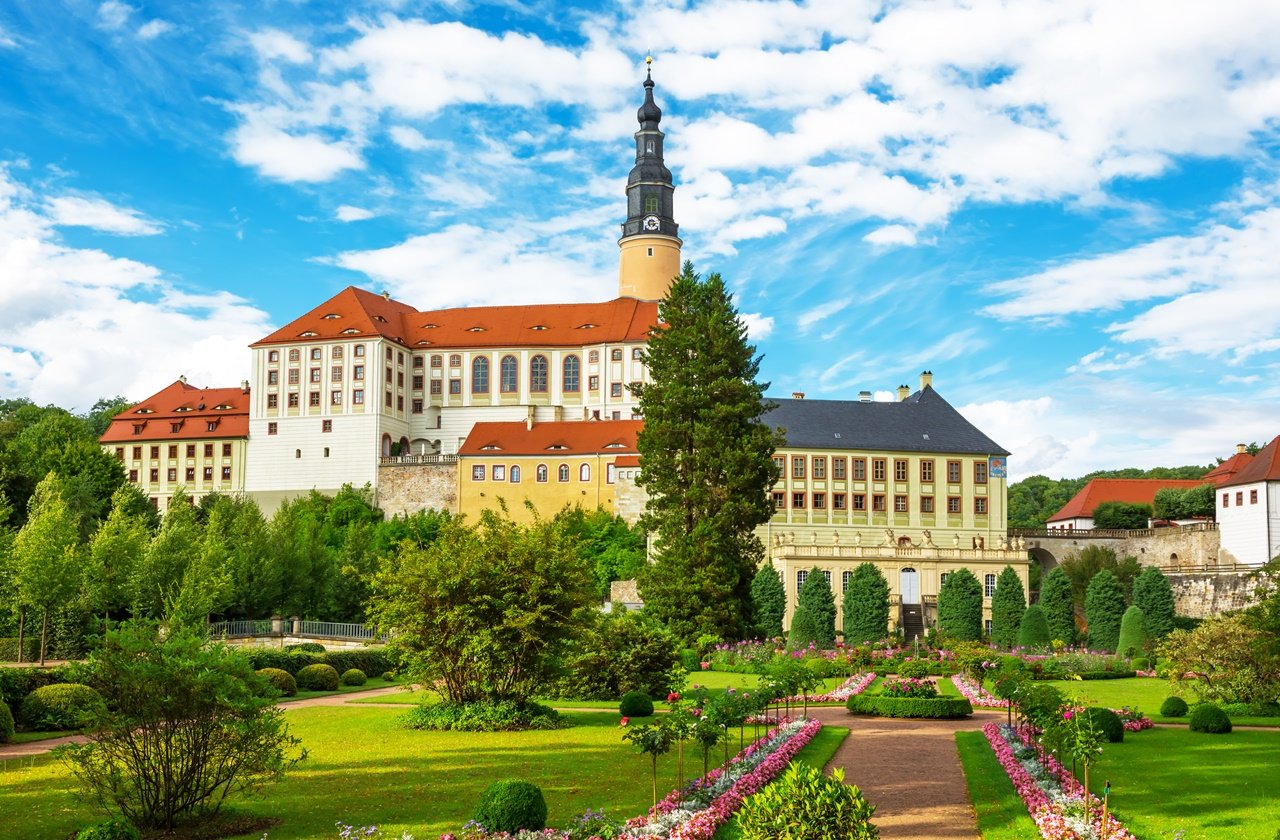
(672, 697)
(624, 721)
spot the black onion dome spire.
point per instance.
(649, 114)
(649, 184)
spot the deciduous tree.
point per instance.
(1224, 660)
(48, 554)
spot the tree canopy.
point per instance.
(960, 607)
(1121, 515)
(866, 605)
(1035, 498)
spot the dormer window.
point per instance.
(175, 427)
(308, 334)
(223, 407)
(332, 316)
(146, 411)
(211, 426)
(138, 427)
(538, 327)
(557, 446)
(183, 408)
(351, 331)
(586, 326)
(475, 329)
(379, 319)
(422, 342)
(490, 447)
(615, 445)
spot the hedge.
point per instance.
(1106, 675)
(369, 660)
(17, 683)
(945, 708)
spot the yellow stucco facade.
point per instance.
(199, 467)
(647, 265)
(549, 484)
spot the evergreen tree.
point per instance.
(768, 602)
(804, 628)
(1103, 610)
(1007, 605)
(1033, 632)
(817, 602)
(1152, 592)
(1058, 603)
(157, 579)
(866, 605)
(707, 462)
(960, 607)
(48, 554)
(1133, 633)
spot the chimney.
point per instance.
(1241, 449)
(183, 379)
(864, 396)
(926, 379)
(903, 392)
(797, 395)
(386, 295)
(244, 386)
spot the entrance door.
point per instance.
(909, 585)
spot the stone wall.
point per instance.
(628, 497)
(1176, 548)
(408, 488)
(1205, 594)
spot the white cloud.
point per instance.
(759, 326)
(114, 15)
(348, 213)
(891, 235)
(154, 29)
(7, 40)
(99, 214)
(272, 44)
(280, 154)
(407, 137)
(821, 312)
(459, 191)
(71, 316)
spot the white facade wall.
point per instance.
(1249, 529)
(1079, 523)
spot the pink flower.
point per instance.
(624, 721)
(672, 697)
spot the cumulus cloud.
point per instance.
(114, 15)
(153, 29)
(759, 326)
(99, 214)
(348, 213)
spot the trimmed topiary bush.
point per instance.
(960, 607)
(318, 678)
(866, 605)
(945, 708)
(388, 676)
(354, 676)
(1173, 707)
(1209, 718)
(1133, 632)
(511, 805)
(1103, 610)
(635, 704)
(914, 669)
(1033, 632)
(484, 716)
(281, 680)
(305, 647)
(1141, 663)
(1107, 722)
(60, 706)
(6, 723)
(115, 829)
(804, 804)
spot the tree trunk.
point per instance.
(22, 621)
(44, 633)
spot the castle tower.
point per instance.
(650, 243)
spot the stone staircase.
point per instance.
(912, 622)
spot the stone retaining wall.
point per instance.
(404, 489)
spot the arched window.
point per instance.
(455, 360)
(514, 472)
(386, 446)
(542, 472)
(510, 381)
(563, 472)
(572, 377)
(538, 374)
(584, 472)
(480, 375)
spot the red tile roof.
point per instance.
(553, 440)
(1265, 466)
(1224, 472)
(190, 407)
(627, 461)
(539, 325)
(1135, 491)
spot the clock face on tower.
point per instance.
(651, 223)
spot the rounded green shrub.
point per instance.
(281, 680)
(114, 829)
(1209, 718)
(1107, 722)
(1133, 632)
(6, 723)
(914, 668)
(1033, 630)
(1173, 707)
(804, 804)
(635, 704)
(305, 647)
(511, 805)
(60, 706)
(388, 676)
(1141, 663)
(354, 676)
(318, 678)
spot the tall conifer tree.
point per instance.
(1007, 605)
(1103, 610)
(960, 607)
(769, 600)
(866, 605)
(707, 461)
(1059, 605)
(1152, 592)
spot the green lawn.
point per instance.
(1002, 815)
(362, 769)
(1144, 692)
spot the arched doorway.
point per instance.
(386, 445)
(909, 586)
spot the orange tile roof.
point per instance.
(627, 461)
(1265, 466)
(1223, 473)
(190, 407)
(535, 325)
(1134, 491)
(553, 440)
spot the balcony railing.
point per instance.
(416, 460)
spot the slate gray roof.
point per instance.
(923, 422)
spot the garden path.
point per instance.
(910, 770)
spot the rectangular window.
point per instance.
(191, 450)
(335, 373)
(315, 352)
(417, 382)
(779, 500)
(155, 452)
(137, 453)
(926, 472)
(226, 473)
(435, 387)
(313, 399)
(455, 360)
(819, 501)
(335, 398)
(208, 473)
(455, 386)
(593, 357)
(273, 356)
(636, 353)
(819, 467)
(399, 379)
(1253, 497)
(926, 504)
(173, 450)
(859, 469)
(499, 472)
(838, 469)
(399, 403)
(119, 453)
(191, 473)
(357, 372)
(172, 474)
(336, 352)
(315, 374)
(593, 383)
(436, 361)
(357, 396)
(953, 504)
(273, 401)
(477, 472)
(133, 476)
(988, 586)
(417, 406)
(388, 399)
(980, 506)
(878, 469)
(838, 501)
(615, 390)
(797, 501)
(272, 428)
(859, 501)
(208, 450)
(900, 466)
(293, 355)
(616, 354)
(801, 576)
(293, 401)
(845, 577)
(326, 425)
(1239, 498)
(877, 503)
(359, 351)
(293, 377)
(226, 450)
(417, 362)
(154, 475)
(797, 466)
(781, 464)
(953, 472)
(1225, 500)
(900, 504)
(979, 472)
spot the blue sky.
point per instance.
(1066, 210)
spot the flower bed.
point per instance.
(854, 685)
(976, 694)
(1134, 720)
(1054, 798)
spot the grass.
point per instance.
(363, 769)
(40, 735)
(342, 689)
(1146, 693)
(1002, 815)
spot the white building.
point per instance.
(1248, 510)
